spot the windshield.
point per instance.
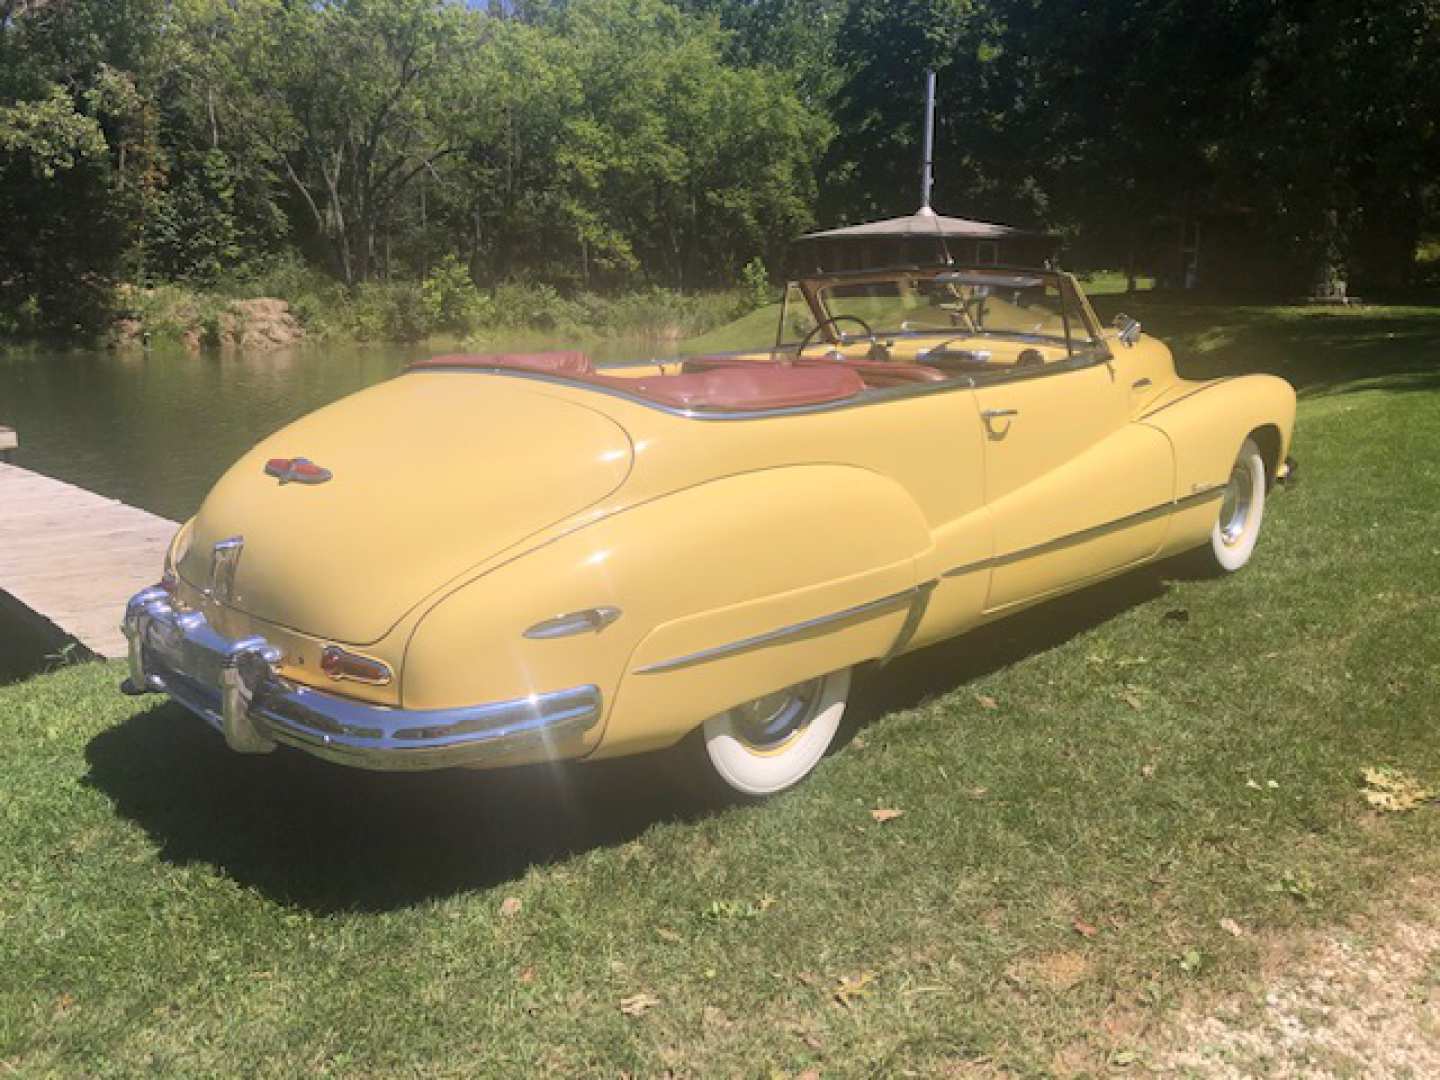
(1008, 303)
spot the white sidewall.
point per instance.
(1231, 557)
(754, 773)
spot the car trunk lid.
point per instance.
(430, 474)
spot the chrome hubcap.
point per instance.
(768, 721)
(1235, 507)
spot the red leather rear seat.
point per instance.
(741, 388)
(553, 363)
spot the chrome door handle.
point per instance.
(996, 414)
(1140, 384)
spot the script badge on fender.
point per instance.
(296, 470)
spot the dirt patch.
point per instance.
(1058, 971)
(258, 325)
(1359, 1001)
(264, 324)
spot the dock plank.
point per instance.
(73, 557)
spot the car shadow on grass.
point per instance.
(940, 669)
(329, 838)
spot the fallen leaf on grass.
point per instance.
(527, 976)
(884, 815)
(1231, 927)
(511, 905)
(1084, 929)
(986, 701)
(1391, 791)
(638, 1004)
(852, 988)
(1133, 700)
(666, 934)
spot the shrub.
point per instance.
(387, 311)
(755, 288)
(523, 306)
(451, 300)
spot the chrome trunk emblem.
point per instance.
(224, 558)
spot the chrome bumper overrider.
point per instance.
(235, 686)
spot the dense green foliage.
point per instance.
(597, 145)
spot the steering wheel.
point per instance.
(877, 351)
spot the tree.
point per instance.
(350, 100)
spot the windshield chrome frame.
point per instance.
(811, 288)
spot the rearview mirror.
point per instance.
(1129, 329)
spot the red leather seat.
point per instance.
(550, 363)
(741, 388)
(880, 372)
(734, 387)
(874, 373)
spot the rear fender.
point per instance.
(700, 569)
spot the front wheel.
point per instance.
(1237, 526)
(773, 742)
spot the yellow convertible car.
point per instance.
(492, 560)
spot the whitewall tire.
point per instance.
(1242, 508)
(773, 742)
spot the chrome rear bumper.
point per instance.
(234, 685)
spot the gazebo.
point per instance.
(921, 238)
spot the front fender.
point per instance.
(701, 568)
(1206, 424)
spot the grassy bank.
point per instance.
(1088, 791)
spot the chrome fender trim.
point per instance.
(916, 597)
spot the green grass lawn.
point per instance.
(1087, 790)
(753, 331)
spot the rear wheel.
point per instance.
(1242, 507)
(773, 742)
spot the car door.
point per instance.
(1074, 490)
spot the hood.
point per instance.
(430, 474)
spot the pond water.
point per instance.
(156, 429)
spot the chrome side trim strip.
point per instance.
(785, 633)
(1185, 397)
(1069, 540)
(919, 603)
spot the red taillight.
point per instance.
(339, 664)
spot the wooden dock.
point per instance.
(72, 558)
